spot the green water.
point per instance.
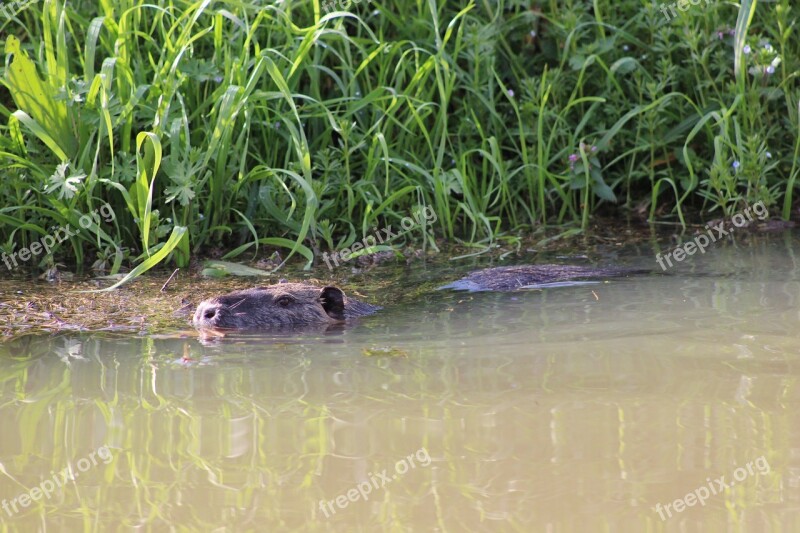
(569, 409)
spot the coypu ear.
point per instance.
(332, 300)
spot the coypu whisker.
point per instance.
(237, 304)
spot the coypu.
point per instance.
(284, 304)
(301, 304)
(510, 278)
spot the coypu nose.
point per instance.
(207, 313)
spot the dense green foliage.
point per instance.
(236, 123)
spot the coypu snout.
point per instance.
(284, 304)
(206, 311)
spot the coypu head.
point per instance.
(284, 304)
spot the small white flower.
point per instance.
(769, 155)
(511, 93)
(533, 33)
(746, 49)
(770, 70)
(625, 47)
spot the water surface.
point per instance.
(576, 408)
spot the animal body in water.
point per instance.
(511, 278)
(283, 304)
(300, 304)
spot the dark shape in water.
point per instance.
(284, 304)
(302, 304)
(510, 278)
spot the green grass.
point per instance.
(225, 124)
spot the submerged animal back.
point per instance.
(509, 278)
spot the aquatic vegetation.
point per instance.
(232, 126)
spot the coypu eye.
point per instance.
(283, 301)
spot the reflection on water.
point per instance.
(569, 409)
